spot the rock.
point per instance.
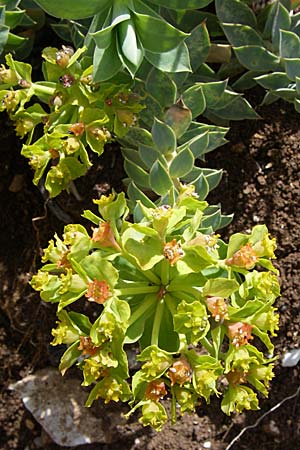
(291, 358)
(57, 404)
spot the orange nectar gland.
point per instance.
(240, 333)
(77, 129)
(218, 308)
(245, 257)
(173, 251)
(180, 372)
(98, 291)
(104, 235)
(155, 390)
(86, 346)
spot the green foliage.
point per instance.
(123, 33)
(141, 74)
(191, 301)
(157, 162)
(77, 114)
(267, 46)
(14, 15)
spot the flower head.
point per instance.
(104, 236)
(218, 308)
(63, 56)
(98, 291)
(77, 128)
(173, 251)
(8, 76)
(101, 134)
(240, 333)
(155, 390)
(245, 257)
(180, 372)
(23, 126)
(237, 377)
(86, 346)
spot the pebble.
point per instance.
(206, 444)
(261, 179)
(291, 358)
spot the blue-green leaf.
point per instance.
(163, 137)
(160, 180)
(182, 164)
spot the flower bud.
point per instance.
(24, 83)
(56, 100)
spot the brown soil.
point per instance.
(260, 184)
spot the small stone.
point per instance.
(261, 179)
(206, 444)
(29, 424)
(137, 441)
(291, 358)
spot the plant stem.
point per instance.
(207, 345)
(173, 406)
(146, 304)
(151, 276)
(40, 89)
(157, 321)
(165, 272)
(142, 289)
(170, 304)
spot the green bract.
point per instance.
(191, 302)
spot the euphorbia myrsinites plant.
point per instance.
(198, 307)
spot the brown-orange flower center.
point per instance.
(155, 390)
(173, 251)
(98, 291)
(240, 333)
